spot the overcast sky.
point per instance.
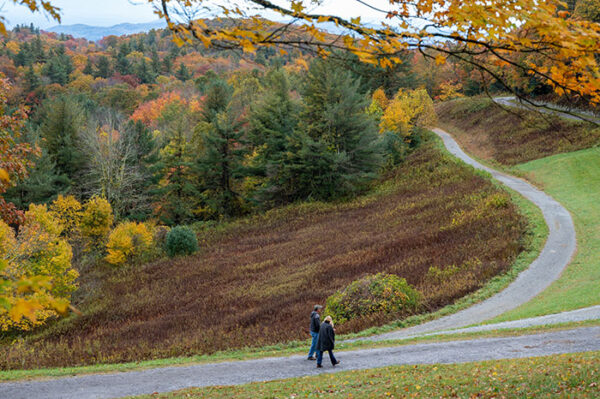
(112, 12)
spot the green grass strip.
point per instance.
(573, 179)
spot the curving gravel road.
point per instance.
(547, 108)
(230, 373)
(554, 257)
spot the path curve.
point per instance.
(230, 373)
(554, 257)
(548, 108)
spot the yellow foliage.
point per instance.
(127, 241)
(68, 212)
(37, 278)
(96, 220)
(408, 110)
(381, 99)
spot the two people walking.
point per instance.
(323, 337)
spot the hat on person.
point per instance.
(317, 307)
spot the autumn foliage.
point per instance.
(128, 241)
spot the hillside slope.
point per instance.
(256, 280)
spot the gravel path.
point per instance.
(584, 314)
(169, 379)
(555, 256)
(511, 101)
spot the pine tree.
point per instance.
(62, 118)
(220, 164)
(155, 64)
(123, 66)
(183, 73)
(336, 149)
(32, 80)
(59, 66)
(103, 68)
(145, 73)
(42, 185)
(89, 67)
(176, 192)
(272, 121)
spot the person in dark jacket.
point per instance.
(315, 325)
(326, 342)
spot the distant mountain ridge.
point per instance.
(95, 33)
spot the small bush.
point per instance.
(181, 240)
(68, 212)
(127, 242)
(96, 220)
(378, 293)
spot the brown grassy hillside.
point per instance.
(256, 280)
(490, 132)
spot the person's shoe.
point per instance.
(336, 363)
(312, 358)
(319, 366)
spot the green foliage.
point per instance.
(220, 164)
(59, 66)
(62, 118)
(378, 293)
(181, 240)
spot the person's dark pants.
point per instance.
(331, 357)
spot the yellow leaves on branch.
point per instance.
(491, 34)
(34, 6)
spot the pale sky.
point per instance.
(112, 12)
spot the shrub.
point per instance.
(375, 293)
(127, 242)
(96, 220)
(68, 212)
(181, 240)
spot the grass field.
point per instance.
(574, 180)
(255, 280)
(490, 133)
(558, 376)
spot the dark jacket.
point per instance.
(326, 339)
(315, 321)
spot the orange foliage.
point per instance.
(149, 112)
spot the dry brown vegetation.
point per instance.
(434, 221)
(490, 132)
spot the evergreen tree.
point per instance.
(145, 73)
(155, 61)
(32, 80)
(220, 163)
(103, 68)
(89, 67)
(42, 185)
(123, 66)
(167, 64)
(62, 119)
(336, 149)
(183, 73)
(176, 192)
(272, 121)
(59, 66)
